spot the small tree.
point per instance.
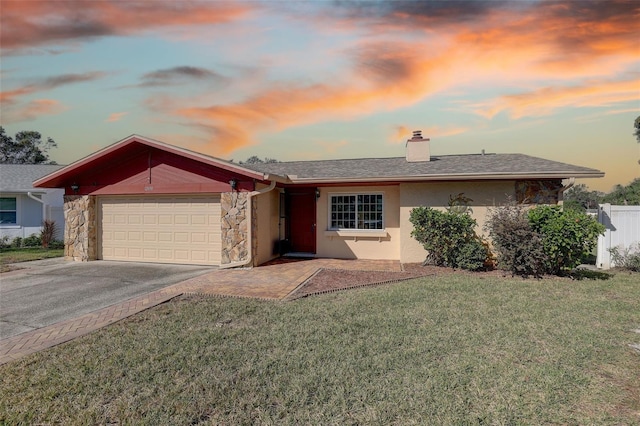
(254, 159)
(581, 198)
(48, 233)
(624, 195)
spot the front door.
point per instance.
(301, 209)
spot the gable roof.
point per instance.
(20, 177)
(360, 170)
(111, 152)
(445, 167)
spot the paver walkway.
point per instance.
(273, 281)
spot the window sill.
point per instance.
(11, 226)
(356, 235)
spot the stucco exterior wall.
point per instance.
(436, 195)
(267, 216)
(359, 244)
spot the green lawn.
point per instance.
(16, 255)
(449, 350)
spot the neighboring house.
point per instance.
(22, 206)
(144, 200)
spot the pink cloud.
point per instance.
(116, 116)
(43, 22)
(440, 51)
(546, 100)
(35, 109)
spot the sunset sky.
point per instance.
(319, 80)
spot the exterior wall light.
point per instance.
(75, 187)
(233, 183)
(317, 193)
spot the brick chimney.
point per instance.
(418, 148)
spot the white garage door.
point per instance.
(162, 229)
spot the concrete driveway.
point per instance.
(52, 290)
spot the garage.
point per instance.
(160, 229)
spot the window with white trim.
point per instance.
(8, 211)
(356, 211)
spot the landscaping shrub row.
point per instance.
(525, 241)
(46, 238)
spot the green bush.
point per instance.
(472, 256)
(626, 258)
(56, 244)
(517, 245)
(567, 236)
(4, 242)
(444, 235)
(32, 240)
(16, 242)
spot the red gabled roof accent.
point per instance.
(109, 153)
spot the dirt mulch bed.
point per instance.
(330, 280)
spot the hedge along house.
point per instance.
(144, 200)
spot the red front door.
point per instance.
(301, 206)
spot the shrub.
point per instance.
(32, 240)
(16, 242)
(56, 244)
(626, 258)
(4, 242)
(48, 233)
(473, 255)
(567, 236)
(518, 246)
(444, 235)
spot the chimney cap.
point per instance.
(417, 136)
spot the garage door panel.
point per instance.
(165, 237)
(187, 229)
(150, 219)
(165, 219)
(150, 237)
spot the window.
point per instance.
(8, 211)
(356, 211)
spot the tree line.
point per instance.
(582, 198)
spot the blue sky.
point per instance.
(312, 80)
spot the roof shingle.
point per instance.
(20, 177)
(472, 166)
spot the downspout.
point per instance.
(572, 181)
(44, 206)
(249, 258)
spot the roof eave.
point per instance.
(22, 191)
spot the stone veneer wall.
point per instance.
(233, 206)
(80, 230)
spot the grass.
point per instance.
(26, 254)
(448, 350)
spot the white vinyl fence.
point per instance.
(623, 230)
